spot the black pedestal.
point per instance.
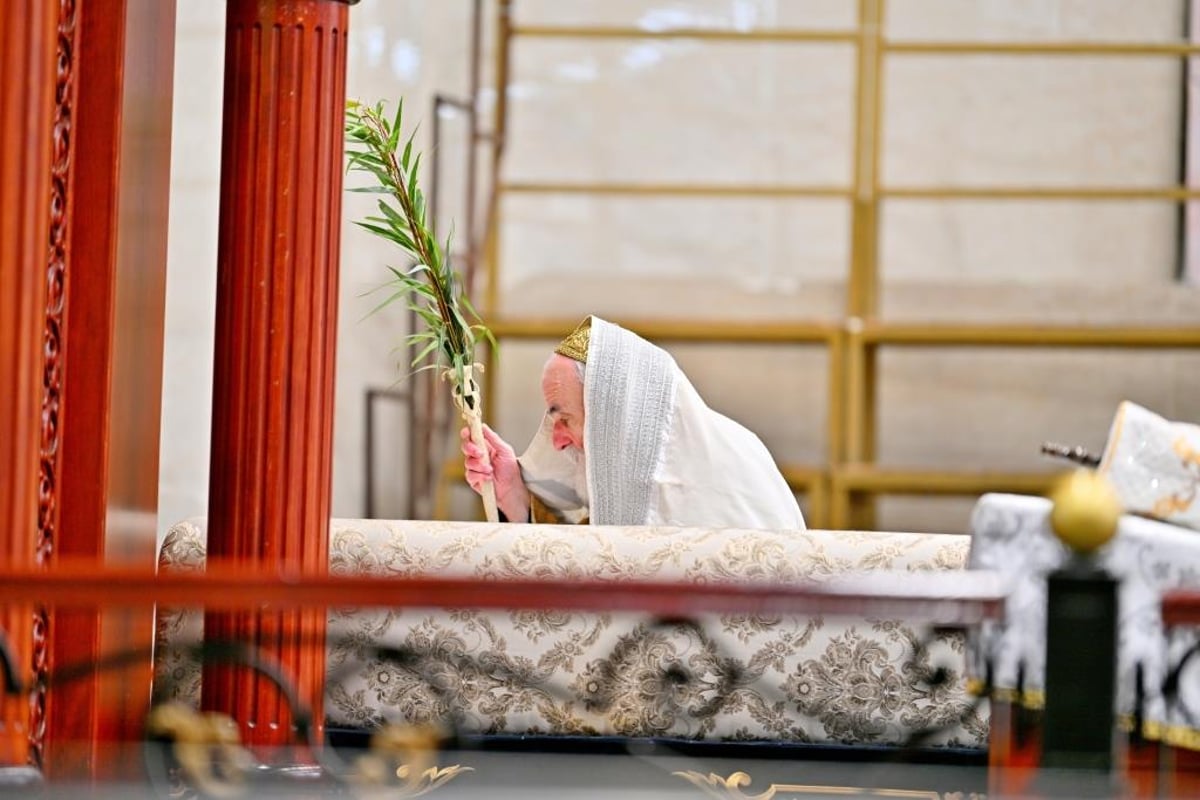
(1081, 663)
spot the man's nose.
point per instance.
(561, 439)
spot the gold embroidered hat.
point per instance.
(575, 346)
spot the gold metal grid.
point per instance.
(841, 492)
(675, 189)
(700, 34)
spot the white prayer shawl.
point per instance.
(655, 453)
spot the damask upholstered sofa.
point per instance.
(796, 680)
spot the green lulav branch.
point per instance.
(433, 290)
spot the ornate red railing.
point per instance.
(936, 599)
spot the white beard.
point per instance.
(578, 461)
(557, 477)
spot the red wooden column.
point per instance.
(27, 79)
(277, 275)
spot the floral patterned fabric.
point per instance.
(1011, 535)
(729, 677)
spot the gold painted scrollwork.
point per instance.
(401, 763)
(725, 788)
(207, 747)
(731, 788)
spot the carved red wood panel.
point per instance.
(280, 220)
(50, 485)
(52, 479)
(27, 57)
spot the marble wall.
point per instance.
(688, 111)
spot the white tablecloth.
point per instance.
(1011, 535)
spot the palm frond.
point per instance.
(431, 289)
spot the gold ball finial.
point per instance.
(1086, 511)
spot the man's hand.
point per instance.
(500, 466)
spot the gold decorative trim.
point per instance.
(1032, 699)
(407, 754)
(1173, 735)
(1114, 437)
(207, 746)
(575, 346)
(1166, 507)
(412, 783)
(399, 764)
(731, 788)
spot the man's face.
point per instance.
(563, 392)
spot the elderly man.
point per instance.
(626, 440)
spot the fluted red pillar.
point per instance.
(277, 276)
(27, 80)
